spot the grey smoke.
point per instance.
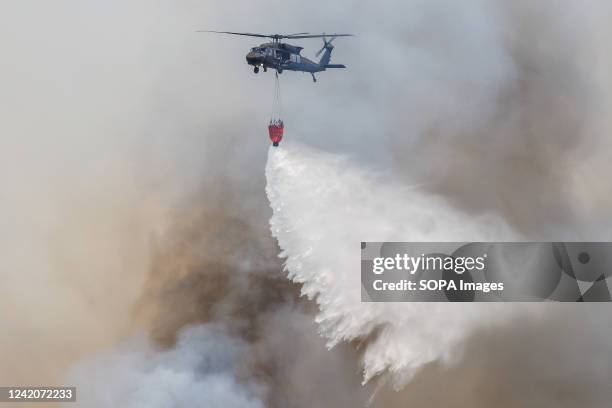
(201, 366)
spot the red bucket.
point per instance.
(275, 130)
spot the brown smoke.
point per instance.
(212, 264)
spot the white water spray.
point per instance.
(323, 206)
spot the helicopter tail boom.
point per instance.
(334, 66)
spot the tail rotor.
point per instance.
(326, 44)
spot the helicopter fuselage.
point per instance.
(281, 56)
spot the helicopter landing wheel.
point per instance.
(265, 69)
(279, 70)
(256, 70)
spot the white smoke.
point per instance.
(203, 365)
(324, 205)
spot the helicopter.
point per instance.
(282, 56)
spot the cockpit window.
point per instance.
(257, 49)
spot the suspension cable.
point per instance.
(276, 102)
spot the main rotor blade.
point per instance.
(229, 32)
(319, 35)
(278, 36)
